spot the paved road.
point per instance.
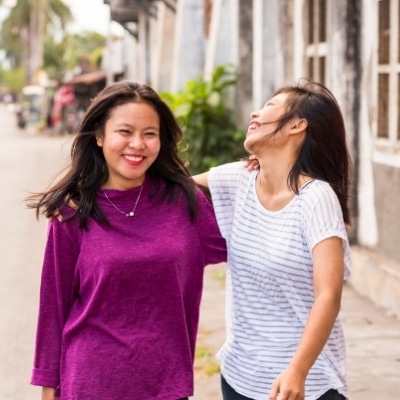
(28, 163)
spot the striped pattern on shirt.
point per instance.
(270, 281)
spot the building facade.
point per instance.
(352, 46)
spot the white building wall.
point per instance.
(164, 35)
(298, 39)
(143, 50)
(367, 225)
(189, 49)
(131, 57)
(222, 44)
(264, 50)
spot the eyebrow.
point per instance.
(125, 124)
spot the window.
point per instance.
(316, 41)
(388, 101)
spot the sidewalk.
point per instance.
(372, 339)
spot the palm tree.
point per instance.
(22, 33)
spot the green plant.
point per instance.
(210, 135)
(205, 360)
(13, 79)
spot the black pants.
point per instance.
(228, 393)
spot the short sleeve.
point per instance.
(323, 218)
(225, 183)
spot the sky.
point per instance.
(91, 15)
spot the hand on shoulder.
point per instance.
(251, 163)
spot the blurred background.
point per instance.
(213, 61)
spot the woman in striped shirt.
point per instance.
(288, 250)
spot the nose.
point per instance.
(137, 142)
(254, 114)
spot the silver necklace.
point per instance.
(127, 214)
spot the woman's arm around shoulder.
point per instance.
(201, 179)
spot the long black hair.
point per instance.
(323, 154)
(88, 169)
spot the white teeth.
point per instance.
(133, 158)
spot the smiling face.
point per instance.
(131, 143)
(263, 123)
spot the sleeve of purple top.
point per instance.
(58, 284)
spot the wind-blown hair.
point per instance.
(88, 169)
(323, 154)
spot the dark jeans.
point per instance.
(228, 393)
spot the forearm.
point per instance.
(316, 332)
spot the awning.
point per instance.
(89, 78)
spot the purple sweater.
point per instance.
(119, 304)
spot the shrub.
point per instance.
(210, 135)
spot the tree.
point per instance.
(62, 56)
(23, 31)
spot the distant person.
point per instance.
(128, 239)
(288, 251)
(7, 98)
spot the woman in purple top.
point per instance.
(128, 238)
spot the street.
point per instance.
(28, 162)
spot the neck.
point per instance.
(123, 185)
(273, 174)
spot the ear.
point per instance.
(298, 126)
(99, 140)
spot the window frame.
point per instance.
(316, 51)
(391, 143)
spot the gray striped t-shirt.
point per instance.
(270, 281)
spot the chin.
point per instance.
(247, 145)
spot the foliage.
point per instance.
(16, 28)
(13, 79)
(62, 56)
(205, 360)
(210, 135)
(53, 58)
(83, 44)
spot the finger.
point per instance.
(273, 394)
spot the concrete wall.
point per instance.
(265, 32)
(376, 257)
(164, 37)
(189, 50)
(387, 203)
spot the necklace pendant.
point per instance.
(127, 214)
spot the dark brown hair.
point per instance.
(323, 154)
(88, 170)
